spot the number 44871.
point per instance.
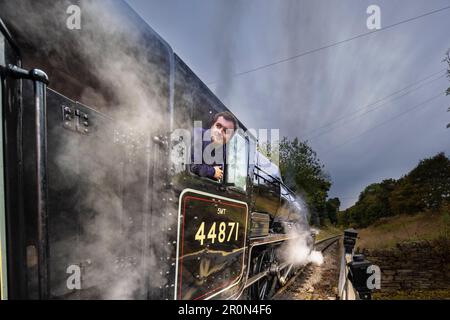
(224, 232)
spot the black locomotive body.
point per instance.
(98, 200)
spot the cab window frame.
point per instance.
(227, 168)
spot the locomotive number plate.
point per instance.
(211, 244)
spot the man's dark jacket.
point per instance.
(203, 169)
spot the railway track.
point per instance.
(322, 246)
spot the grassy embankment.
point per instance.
(328, 231)
(387, 232)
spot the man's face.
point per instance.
(222, 131)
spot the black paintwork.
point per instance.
(217, 263)
(114, 195)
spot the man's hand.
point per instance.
(218, 175)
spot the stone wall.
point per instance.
(417, 265)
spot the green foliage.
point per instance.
(425, 188)
(332, 209)
(302, 172)
(373, 203)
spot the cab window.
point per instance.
(237, 162)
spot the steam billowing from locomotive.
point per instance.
(122, 82)
(299, 251)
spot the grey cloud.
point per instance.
(306, 93)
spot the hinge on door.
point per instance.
(75, 120)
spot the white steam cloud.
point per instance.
(121, 254)
(298, 250)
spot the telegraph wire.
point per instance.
(333, 44)
(356, 116)
(376, 102)
(422, 104)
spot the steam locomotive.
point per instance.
(96, 199)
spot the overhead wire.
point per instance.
(337, 43)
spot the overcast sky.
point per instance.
(326, 97)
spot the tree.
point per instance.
(373, 204)
(332, 206)
(343, 218)
(303, 172)
(430, 182)
(405, 198)
(425, 188)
